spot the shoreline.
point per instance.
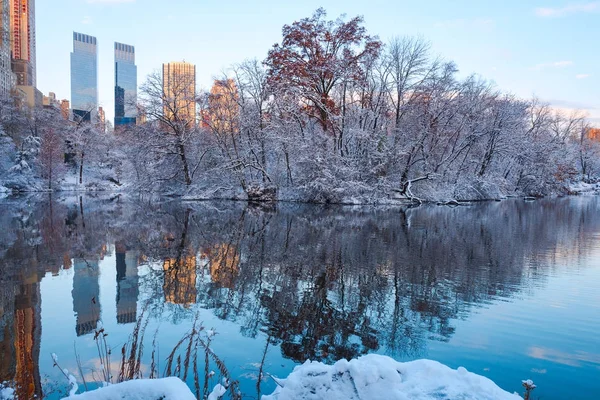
(358, 202)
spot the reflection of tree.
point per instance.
(323, 283)
(180, 280)
(180, 272)
(224, 263)
(311, 327)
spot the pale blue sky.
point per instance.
(549, 48)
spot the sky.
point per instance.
(544, 48)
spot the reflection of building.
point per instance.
(84, 77)
(125, 85)
(179, 91)
(180, 280)
(224, 264)
(20, 339)
(85, 295)
(127, 285)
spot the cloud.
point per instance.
(582, 76)
(575, 359)
(556, 64)
(566, 107)
(87, 20)
(573, 8)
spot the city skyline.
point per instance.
(521, 47)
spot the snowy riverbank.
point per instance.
(369, 377)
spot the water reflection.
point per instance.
(127, 284)
(320, 283)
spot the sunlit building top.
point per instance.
(179, 92)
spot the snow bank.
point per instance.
(379, 377)
(141, 389)
(583, 188)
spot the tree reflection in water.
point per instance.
(324, 283)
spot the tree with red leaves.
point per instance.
(316, 56)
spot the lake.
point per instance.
(509, 290)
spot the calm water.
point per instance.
(509, 290)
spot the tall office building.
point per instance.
(7, 78)
(65, 108)
(84, 77)
(179, 89)
(22, 29)
(125, 85)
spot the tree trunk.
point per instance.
(186, 170)
(341, 138)
(81, 169)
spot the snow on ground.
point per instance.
(142, 389)
(583, 188)
(371, 377)
(378, 377)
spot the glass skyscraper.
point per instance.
(125, 85)
(84, 77)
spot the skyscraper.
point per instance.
(7, 78)
(125, 85)
(179, 89)
(84, 77)
(22, 29)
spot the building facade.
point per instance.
(65, 109)
(179, 91)
(101, 119)
(7, 78)
(125, 85)
(84, 77)
(23, 47)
